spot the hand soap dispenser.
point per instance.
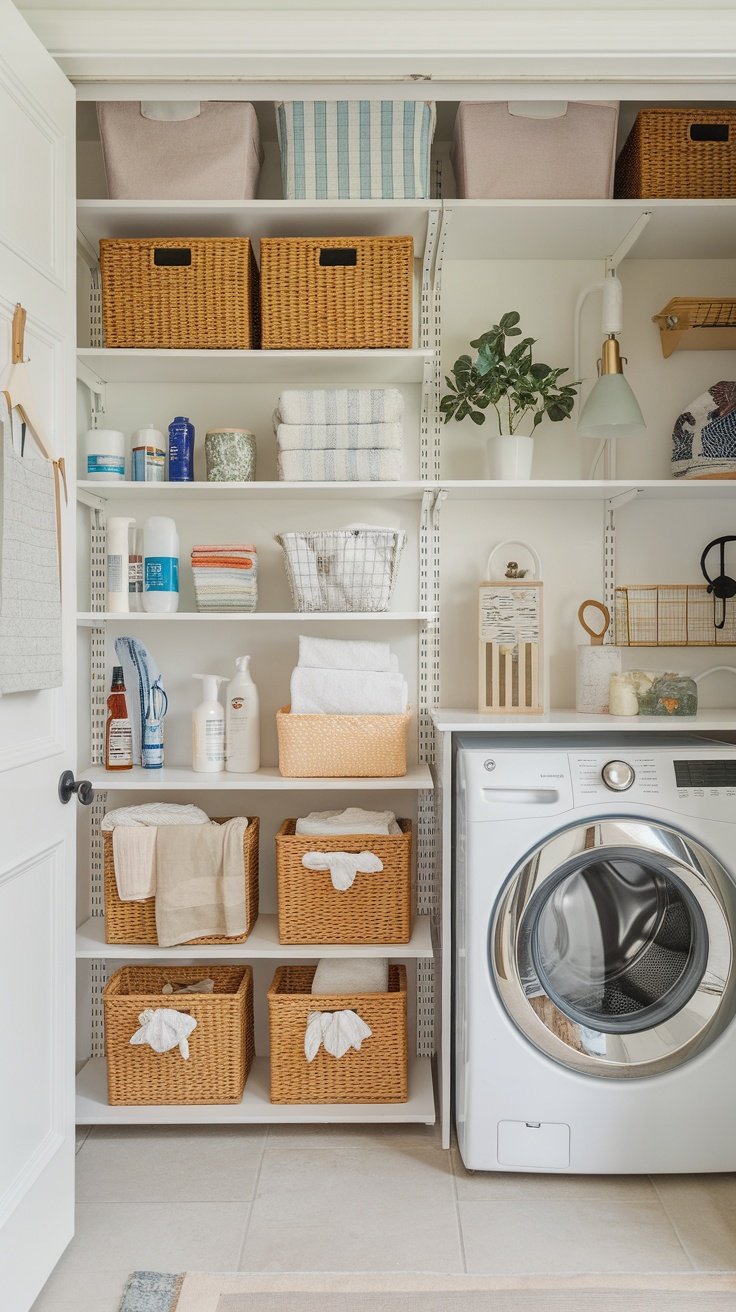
(243, 721)
(208, 728)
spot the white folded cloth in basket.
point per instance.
(312, 465)
(337, 1030)
(339, 437)
(347, 692)
(134, 855)
(341, 405)
(345, 654)
(164, 1029)
(351, 820)
(343, 866)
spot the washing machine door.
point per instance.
(611, 948)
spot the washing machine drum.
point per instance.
(612, 950)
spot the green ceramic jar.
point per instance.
(230, 454)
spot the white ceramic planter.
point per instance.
(510, 458)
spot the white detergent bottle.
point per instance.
(160, 566)
(243, 721)
(118, 530)
(208, 728)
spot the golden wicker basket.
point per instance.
(670, 615)
(378, 1073)
(375, 909)
(697, 323)
(135, 922)
(336, 293)
(198, 293)
(221, 1047)
(679, 153)
(341, 746)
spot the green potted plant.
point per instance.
(514, 389)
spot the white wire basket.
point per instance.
(342, 569)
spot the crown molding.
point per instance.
(629, 47)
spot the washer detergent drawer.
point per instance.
(540, 1145)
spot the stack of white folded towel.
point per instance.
(340, 435)
(346, 677)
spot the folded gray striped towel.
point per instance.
(340, 405)
(370, 465)
(339, 437)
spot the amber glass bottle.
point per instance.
(118, 733)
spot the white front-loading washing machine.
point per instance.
(595, 918)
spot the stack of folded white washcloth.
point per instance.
(341, 435)
(346, 677)
(351, 820)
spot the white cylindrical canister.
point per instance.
(594, 668)
(118, 564)
(104, 455)
(160, 566)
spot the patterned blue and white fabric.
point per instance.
(355, 149)
(704, 436)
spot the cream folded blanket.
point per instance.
(347, 692)
(134, 853)
(344, 654)
(339, 437)
(322, 466)
(340, 405)
(351, 975)
(201, 886)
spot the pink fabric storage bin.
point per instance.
(212, 154)
(564, 150)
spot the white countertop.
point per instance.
(449, 720)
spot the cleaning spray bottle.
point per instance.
(208, 728)
(243, 721)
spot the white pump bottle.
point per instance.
(208, 728)
(243, 721)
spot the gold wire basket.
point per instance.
(697, 323)
(671, 615)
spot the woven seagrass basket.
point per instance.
(198, 293)
(378, 1073)
(336, 293)
(679, 153)
(221, 1048)
(341, 746)
(135, 922)
(670, 615)
(375, 909)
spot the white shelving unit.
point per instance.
(452, 230)
(256, 1107)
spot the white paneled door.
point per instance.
(37, 254)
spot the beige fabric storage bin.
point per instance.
(509, 150)
(215, 154)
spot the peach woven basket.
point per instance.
(333, 293)
(341, 746)
(375, 909)
(221, 1047)
(196, 293)
(135, 922)
(679, 153)
(378, 1073)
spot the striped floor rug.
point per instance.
(150, 1291)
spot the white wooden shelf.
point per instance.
(405, 490)
(262, 943)
(342, 368)
(174, 779)
(458, 721)
(256, 218)
(93, 619)
(589, 229)
(657, 489)
(255, 1108)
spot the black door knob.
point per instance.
(68, 786)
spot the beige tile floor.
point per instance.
(329, 1199)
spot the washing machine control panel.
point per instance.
(688, 783)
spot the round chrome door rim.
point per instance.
(585, 1048)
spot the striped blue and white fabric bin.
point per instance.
(355, 149)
